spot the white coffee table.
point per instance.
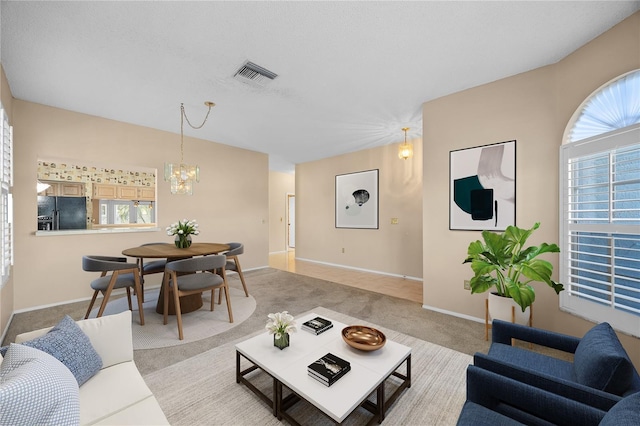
(288, 368)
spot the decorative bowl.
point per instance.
(363, 338)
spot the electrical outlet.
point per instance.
(394, 220)
(467, 285)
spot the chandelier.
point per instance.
(181, 176)
(405, 150)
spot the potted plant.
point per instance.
(503, 262)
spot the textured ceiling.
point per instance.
(350, 74)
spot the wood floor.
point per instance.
(398, 287)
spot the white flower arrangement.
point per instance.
(184, 227)
(280, 323)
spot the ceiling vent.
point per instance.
(254, 75)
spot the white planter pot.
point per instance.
(501, 308)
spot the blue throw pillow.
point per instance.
(68, 344)
(624, 413)
(601, 362)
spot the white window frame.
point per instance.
(569, 301)
(6, 200)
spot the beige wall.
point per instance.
(229, 206)
(280, 186)
(392, 249)
(533, 108)
(6, 293)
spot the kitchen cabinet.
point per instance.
(127, 193)
(103, 191)
(146, 193)
(63, 189)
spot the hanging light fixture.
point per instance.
(182, 176)
(405, 150)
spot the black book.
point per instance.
(328, 369)
(317, 325)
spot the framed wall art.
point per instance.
(482, 187)
(357, 200)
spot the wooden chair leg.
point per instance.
(93, 300)
(227, 296)
(103, 305)
(107, 293)
(140, 296)
(225, 286)
(176, 299)
(239, 270)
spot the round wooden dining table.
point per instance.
(171, 252)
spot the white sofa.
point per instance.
(117, 393)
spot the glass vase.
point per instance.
(182, 241)
(281, 342)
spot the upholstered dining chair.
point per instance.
(153, 267)
(195, 275)
(115, 273)
(233, 264)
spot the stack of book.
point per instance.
(328, 369)
(317, 325)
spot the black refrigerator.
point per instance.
(60, 213)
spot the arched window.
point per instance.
(600, 207)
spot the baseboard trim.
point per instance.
(453, 314)
(335, 265)
(82, 299)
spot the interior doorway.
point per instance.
(291, 221)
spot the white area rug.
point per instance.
(196, 325)
(202, 390)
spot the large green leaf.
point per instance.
(537, 270)
(523, 295)
(475, 248)
(496, 246)
(481, 267)
(481, 283)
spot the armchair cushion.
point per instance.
(601, 362)
(479, 415)
(530, 360)
(67, 343)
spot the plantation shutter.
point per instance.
(600, 227)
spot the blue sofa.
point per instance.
(496, 400)
(600, 371)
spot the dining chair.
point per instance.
(191, 276)
(153, 267)
(233, 264)
(115, 273)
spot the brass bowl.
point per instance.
(363, 338)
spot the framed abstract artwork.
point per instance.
(357, 200)
(482, 191)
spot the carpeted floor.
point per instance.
(276, 291)
(201, 389)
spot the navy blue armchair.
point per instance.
(496, 400)
(600, 369)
